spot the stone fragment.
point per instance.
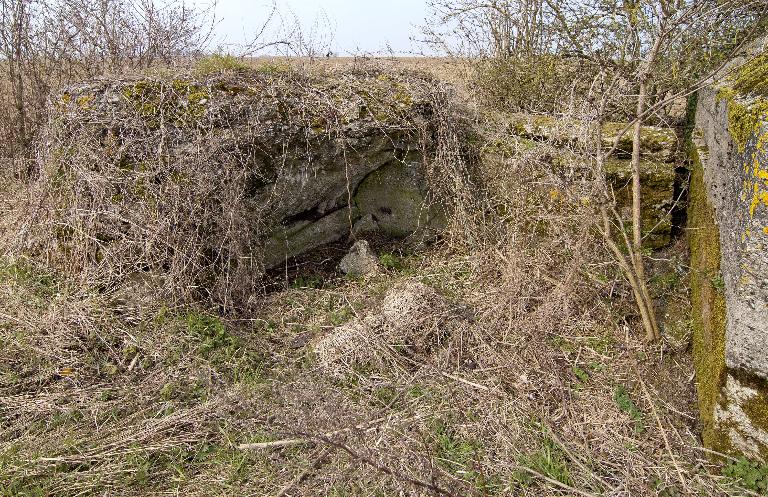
(360, 261)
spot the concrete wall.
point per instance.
(729, 256)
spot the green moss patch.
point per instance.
(745, 120)
(708, 305)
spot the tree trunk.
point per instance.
(652, 332)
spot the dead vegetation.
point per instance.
(186, 180)
(503, 360)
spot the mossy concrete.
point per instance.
(708, 304)
(729, 256)
(658, 143)
(658, 167)
(237, 169)
(657, 189)
(395, 199)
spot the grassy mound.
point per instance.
(185, 180)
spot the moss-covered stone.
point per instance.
(657, 181)
(745, 118)
(752, 77)
(246, 160)
(657, 142)
(707, 306)
(729, 213)
(394, 196)
(179, 102)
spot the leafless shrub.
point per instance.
(45, 44)
(184, 179)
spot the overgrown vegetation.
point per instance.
(145, 350)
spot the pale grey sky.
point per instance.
(359, 26)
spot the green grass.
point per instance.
(459, 455)
(625, 403)
(549, 461)
(19, 272)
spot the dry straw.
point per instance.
(183, 180)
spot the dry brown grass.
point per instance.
(539, 386)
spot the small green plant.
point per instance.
(666, 282)
(302, 282)
(456, 454)
(717, 282)
(216, 63)
(581, 375)
(751, 475)
(453, 452)
(663, 490)
(223, 350)
(416, 391)
(549, 461)
(210, 331)
(625, 403)
(596, 366)
(563, 344)
(341, 316)
(390, 261)
(386, 396)
(21, 272)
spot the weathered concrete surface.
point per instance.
(360, 261)
(730, 265)
(210, 181)
(659, 151)
(657, 180)
(656, 142)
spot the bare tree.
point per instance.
(47, 43)
(646, 52)
(497, 28)
(634, 41)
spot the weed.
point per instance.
(223, 350)
(549, 461)
(581, 375)
(416, 391)
(302, 282)
(665, 282)
(456, 454)
(751, 475)
(391, 262)
(717, 282)
(625, 403)
(453, 451)
(563, 344)
(341, 316)
(22, 273)
(597, 366)
(386, 396)
(210, 332)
